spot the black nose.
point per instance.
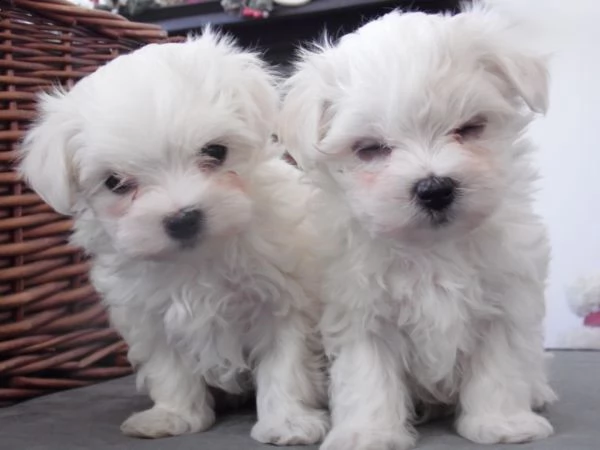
(184, 224)
(435, 193)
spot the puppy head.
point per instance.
(412, 120)
(156, 147)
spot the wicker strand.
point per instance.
(53, 331)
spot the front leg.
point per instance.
(506, 378)
(182, 403)
(369, 399)
(290, 383)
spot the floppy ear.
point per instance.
(46, 153)
(257, 84)
(505, 52)
(261, 86)
(307, 110)
(526, 75)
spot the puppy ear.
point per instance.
(46, 157)
(257, 84)
(526, 75)
(505, 51)
(307, 110)
(260, 84)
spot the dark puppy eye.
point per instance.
(369, 151)
(216, 152)
(471, 129)
(119, 185)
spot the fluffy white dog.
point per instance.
(197, 232)
(412, 127)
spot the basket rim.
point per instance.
(104, 23)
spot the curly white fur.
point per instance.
(235, 307)
(426, 309)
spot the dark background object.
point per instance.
(287, 27)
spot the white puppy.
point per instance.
(196, 229)
(412, 126)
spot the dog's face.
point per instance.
(156, 147)
(412, 120)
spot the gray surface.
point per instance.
(89, 419)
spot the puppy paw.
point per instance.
(307, 427)
(158, 422)
(491, 429)
(347, 438)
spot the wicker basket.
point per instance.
(53, 331)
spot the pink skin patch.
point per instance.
(120, 207)
(233, 180)
(458, 138)
(592, 320)
(367, 179)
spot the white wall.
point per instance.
(569, 141)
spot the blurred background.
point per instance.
(569, 141)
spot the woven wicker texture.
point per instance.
(53, 331)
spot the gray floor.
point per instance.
(89, 418)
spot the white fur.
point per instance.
(419, 315)
(584, 295)
(584, 299)
(236, 309)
